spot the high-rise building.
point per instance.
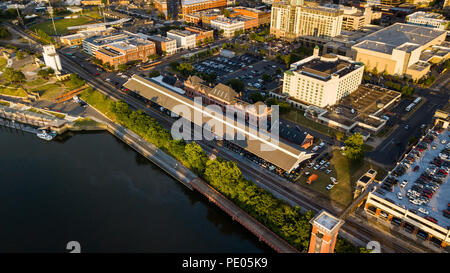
(322, 80)
(51, 58)
(325, 228)
(289, 20)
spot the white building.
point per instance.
(228, 25)
(322, 80)
(291, 19)
(51, 58)
(427, 19)
(185, 39)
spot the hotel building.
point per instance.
(322, 80)
(289, 20)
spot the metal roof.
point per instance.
(264, 145)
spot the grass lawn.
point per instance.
(3, 63)
(18, 92)
(48, 91)
(37, 82)
(70, 86)
(346, 172)
(61, 25)
(86, 122)
(297, 116)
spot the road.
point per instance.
(354, 229)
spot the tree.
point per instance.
(154, 73)
(19, 55)
(354, 146)
(12, 75)
(122, 67)
(153, 57)
(236, 84)
(266, 78)
(46, 73)
(196, 157)
(4, 33)
(256, 96)
(226, 13)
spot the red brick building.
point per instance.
(126, 51)
(191, 6)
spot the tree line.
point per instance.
(225, 176)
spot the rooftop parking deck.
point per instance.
(422, 174)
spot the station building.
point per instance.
(263, 144)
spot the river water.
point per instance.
(94, 189)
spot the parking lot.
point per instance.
(248, 68)
(420, 182)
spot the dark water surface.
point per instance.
(94, 189)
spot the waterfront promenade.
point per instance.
(192, 181)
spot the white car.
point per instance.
(444, 141)
(399, 196)
(328, 171)
(404, 183)
(334, 180)
(316, 167)
(330, 186)
(424, 211)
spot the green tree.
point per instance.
(154, 73)
(19, 55)
(226, 13)
(236, 84)
(354, 146)
(266, 78)
(46, 73)
(11, 75)
(256, 96)
(196, 157)
(122, 67)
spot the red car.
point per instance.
(431, 219)
(96, 74)
(443, 172)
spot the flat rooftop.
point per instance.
(386, 39)
(327, 221)
(440, 198)
(325, 66)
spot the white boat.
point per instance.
(44, 135)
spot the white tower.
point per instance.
(51, 58)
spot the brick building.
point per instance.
(191, 6)
(122, 52)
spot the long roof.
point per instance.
(264, 145)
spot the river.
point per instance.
(94, 189)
